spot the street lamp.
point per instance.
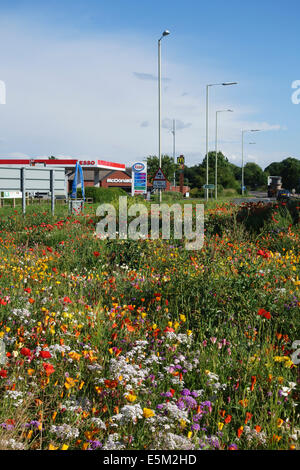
(174, 137)
(216, 164)
(165, 33)
(207, 98)
(243, 132)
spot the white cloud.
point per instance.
(149, 76)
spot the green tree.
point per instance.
(254, 175)
(195, 176)
(226, 173)
(289, 170)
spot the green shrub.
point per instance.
(229, 192)
(171, 195)
(102, 194)
(220, 190)
(195, 192)
(256, 216)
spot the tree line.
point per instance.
(229, 174)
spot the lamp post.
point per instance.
(165, 33)
(174, 136)
(243, 132)
(207, 106)
(216, 163)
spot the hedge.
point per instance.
(102, 194)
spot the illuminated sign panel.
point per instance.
(139, 178)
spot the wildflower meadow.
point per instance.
(144, 345)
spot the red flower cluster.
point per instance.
(48, 368)
(45, 354)
(263, 253)
(263, 313)
(25, 352)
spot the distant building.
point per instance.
(98, 173)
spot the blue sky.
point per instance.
(80, 77)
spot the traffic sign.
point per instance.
(159, 184)
(159, 176)
(209, 186)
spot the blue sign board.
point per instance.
(139, 178)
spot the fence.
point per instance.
(32, 180)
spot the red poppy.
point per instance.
(67, 300)
(130, 328)
(228, 419)
(263, 313)
(28, 290)
(253, 382)
(96, 254)
(3, 373)
(25, 352)
(264, 254)
(49, 369)
(45, 354)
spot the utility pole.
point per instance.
(174, 133)
(165, 33)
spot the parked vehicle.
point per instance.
(283, 195)
(274, 185)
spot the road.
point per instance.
(254, 196)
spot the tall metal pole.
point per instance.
(206, 191)
(207, 120)
(52, 182)
(173, 132)
(159, 109)
(165, 33)
(23, 188)
(216, 163)
(243, 162)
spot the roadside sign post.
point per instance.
(209, 187)
(159, 180)
(139, 178)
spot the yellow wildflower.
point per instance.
(148, 413)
